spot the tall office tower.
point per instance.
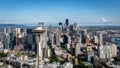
(108, 51)
(69, 39)
(87, 39)
(78, 39)
(53, 39)
(100, 39)
(114, 50)
(85, 30)
(77, 49)
(18, 31)
(83, 34)
(19, 40)
(67, 32)
(12, 40)
(24, 38)
(111, 50)
(39, 31)
(44, 40)
(95, 39)
(7, 41)
(2, 34)
(57, 37)
(101, 52)
(65, 39)
(30, 39)
(71, 28)
(1, 46)
(76, 29)
(67, 22)
(5, 30)
(49, 33)
(60, 27)
(44, 43)
(9, 30)
(7, 38)
(60, 23)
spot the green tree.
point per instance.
(80, 65)
(18, 54)
(3, 54)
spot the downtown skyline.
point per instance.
(84, 12)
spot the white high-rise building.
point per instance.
(53, 39)
(112, 50)
(102, 52)
(95, 39)
(107, 51)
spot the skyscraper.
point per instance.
(7, 41)
(77, 49)
(100, 39)
(101, 52)
(30, 37)
(53, 42)
(19, 40)
(1, 46)
(7, 38)
(95, 39)
(78, 39)
(57, 37)
(83, 34)
(60, 23)
(2, 34)
(44, 43)
(108, 51)
(67, 22)
(76, 29)
(12, 39)
(65, 39)
(60, 28)
(50, 32)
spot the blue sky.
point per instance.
(84, 12)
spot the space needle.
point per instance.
(38, 32)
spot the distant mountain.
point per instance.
(14, 26)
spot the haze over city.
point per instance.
(84, 12)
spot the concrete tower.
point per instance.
(38, 32)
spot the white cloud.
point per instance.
(104, 20)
